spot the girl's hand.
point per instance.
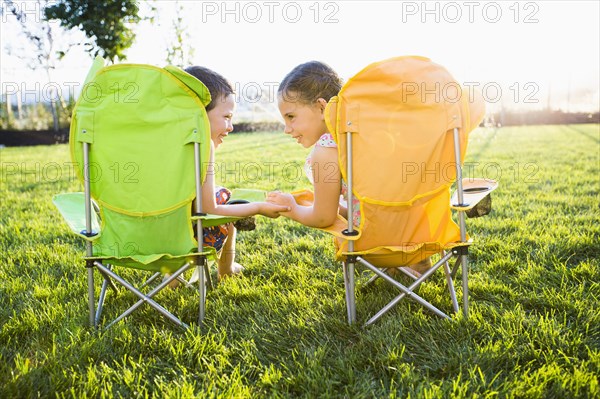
(279, 198)
(273, 210)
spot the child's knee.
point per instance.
(230, 231)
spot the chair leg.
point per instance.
(455, 268)
(151, 279)
(107, 278)
(105, 285)
(144, 298)
(91, 300)
(371, 280)
(209, 282)
(465, 279)
(406, 291)
(201, 265)
(450, 284)
(348, 270)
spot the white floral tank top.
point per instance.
(326, 140)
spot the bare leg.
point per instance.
(173, 284)
(227, 265)
(416, 269)
(422, 266)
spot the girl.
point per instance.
(302, 97)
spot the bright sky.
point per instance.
(521, 53)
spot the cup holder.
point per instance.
(476, 190)
(237, 201)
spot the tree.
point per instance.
(103, 22)
(178, 52)
(41, 39)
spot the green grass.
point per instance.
(280, 330)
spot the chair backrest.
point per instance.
(401, 114)
(141, 123)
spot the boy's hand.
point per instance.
(273, 210)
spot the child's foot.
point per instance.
(411, 272)
(422, 266)
(173, 284)
(403, 270)
(415, 270)
(236, 268)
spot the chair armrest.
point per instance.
(72, 208)
(307, 197)
(474, 190)
(245, 194)
(238, 195)
(215, 220)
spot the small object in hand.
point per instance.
(246, 224)
(482, 208)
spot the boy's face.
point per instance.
(220, 119)
(304, 122)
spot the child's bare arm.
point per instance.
(327, 186)
(242, 210)
(253, 208)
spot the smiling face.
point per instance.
(304, 122)
(220, 119)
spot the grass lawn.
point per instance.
(280, 331)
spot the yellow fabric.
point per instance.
(402, 113)
(307, 198)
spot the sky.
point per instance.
(520, 54)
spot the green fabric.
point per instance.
(145, 238)
(215, 220)
(72, 207)
(142, 121)
(192, 83)
(85, 128)
(165, 264)
(159, 243)
(96, 66)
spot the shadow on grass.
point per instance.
(584, 133)
(489, 138)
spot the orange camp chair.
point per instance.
(402, 126)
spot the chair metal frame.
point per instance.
(461, 252)
(95, 310)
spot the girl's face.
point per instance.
(304, 122)
(220, 119)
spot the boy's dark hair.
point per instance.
(310, 81)
(218, 87)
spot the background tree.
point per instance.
(102, 28)
(104, 23)
(179, 51)
(39, 51)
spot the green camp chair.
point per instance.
(140, 140)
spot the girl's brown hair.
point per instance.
(310, 81)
